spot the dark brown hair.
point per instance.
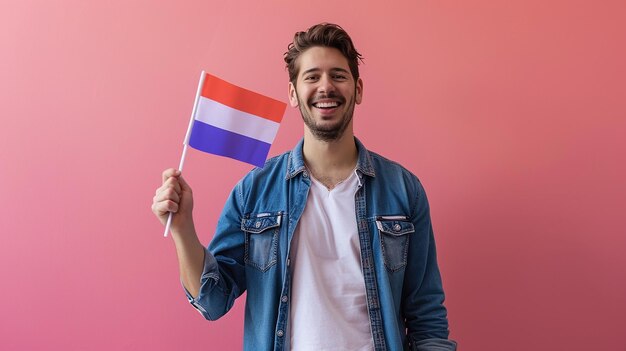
(326, 35)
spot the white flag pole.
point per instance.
(186, 141)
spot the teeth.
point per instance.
(326, 104)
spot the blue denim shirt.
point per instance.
(250, 252)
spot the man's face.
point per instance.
(325, 92)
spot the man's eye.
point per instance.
(339, 77)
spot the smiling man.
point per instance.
(332, 242)
(325, 83)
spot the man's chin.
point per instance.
(327, 134)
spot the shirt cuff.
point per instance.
(208, 271)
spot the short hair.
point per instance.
(325, 35)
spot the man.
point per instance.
(333, 243)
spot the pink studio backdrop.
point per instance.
(512, 114)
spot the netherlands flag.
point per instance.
(234, 122)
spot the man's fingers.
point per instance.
(170, 172)
(167, 194)
(172, 196)
(173, 183)
(163, 207)
(170, 183)
(173, 192)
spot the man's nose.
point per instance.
(326, 84)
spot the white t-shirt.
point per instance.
(328, 303)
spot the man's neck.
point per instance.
(330, 162)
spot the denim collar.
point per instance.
(296, 164)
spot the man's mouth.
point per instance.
(326, 105)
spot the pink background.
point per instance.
(512, 113)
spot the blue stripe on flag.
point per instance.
(221, 142)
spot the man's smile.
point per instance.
(327, 103)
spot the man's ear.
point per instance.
(359, 91)
(293, 96)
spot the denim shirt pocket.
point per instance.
(394, 240)
(261, 243)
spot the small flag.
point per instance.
(235, 122)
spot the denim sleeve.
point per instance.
(423, 296)
(223, 277)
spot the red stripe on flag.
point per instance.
(242, 99)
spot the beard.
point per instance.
(329, 132)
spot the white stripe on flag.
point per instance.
(227, 118)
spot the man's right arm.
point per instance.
(212, 279)
(175, 195)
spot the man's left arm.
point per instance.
(423, 296)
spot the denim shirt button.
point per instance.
(284, 298)
(305, 174)
(280, 333)
(257, 224)
(397, 227)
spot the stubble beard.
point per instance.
(326, 133)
